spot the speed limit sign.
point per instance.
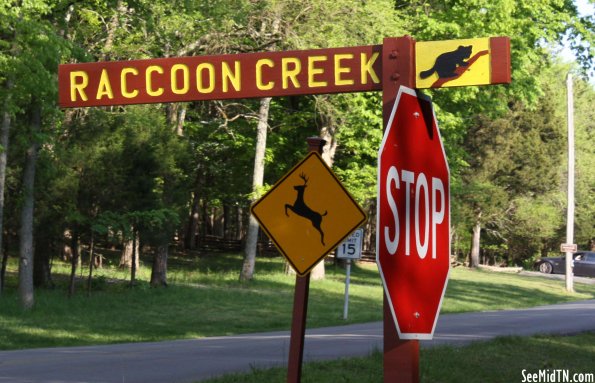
(351, 248)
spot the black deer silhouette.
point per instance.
(300, 208)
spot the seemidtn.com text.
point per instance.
(557, 376)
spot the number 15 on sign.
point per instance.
(350, 249)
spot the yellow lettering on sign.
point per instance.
(290, 74)
(200, 86)
(125, 92)
(149, 80)
(313, 71)
(175, 88)
(366, 68)
(78, 87)
(231, 77)
(105, 87)
(339, 70)
(259, 84)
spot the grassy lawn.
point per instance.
(503, 360)
(205, 298)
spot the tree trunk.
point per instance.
(41, 261)
(4, 139)
(159, 270)
(193, 220)
(128, 254)
(475, 244)
(247, 272)
(227, 221)
(91, 262)
(26, 292)
(239, 222)
(111, 30)
(74, 245)
(135, 257)
(327, 133)
(3, 268)
(180, 122)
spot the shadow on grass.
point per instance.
(481, 291)
(207, 303)
(508, 359)
(206, 298)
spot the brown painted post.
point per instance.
(300, 304)
(401, 357)
(298, 329)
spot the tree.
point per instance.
(531, 26)
(36, 51)
(247, 272)
(508, 160)
(585, 164)
(313, 24)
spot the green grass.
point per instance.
(508, 359)
(205, 298)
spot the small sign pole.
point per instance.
(347, 278)
(570, 195)
(300, 304)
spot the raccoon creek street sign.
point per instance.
(307, 213)
(289, 73)
(413, 227)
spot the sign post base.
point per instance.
(401, 357)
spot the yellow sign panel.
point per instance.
(308, 213)
(453, 63)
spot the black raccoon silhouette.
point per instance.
(447, 63)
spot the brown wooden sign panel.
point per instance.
(268, 74)
(336, 70)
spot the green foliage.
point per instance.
(585, 164)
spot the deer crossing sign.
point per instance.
(308, 213)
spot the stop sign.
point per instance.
(413, 220)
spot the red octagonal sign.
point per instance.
(413, 227)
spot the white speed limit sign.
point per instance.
(351, 248)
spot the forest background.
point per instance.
(149, 177)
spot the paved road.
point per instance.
(188, 361)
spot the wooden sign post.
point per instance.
(300, 304)
(401, 357)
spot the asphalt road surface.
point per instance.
(187, 361)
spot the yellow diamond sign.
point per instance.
(308, 213)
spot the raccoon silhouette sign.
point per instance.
(462, 62)
(308, 213)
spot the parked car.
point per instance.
(583, 261)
